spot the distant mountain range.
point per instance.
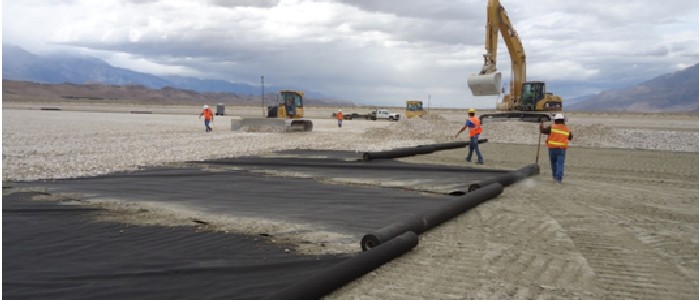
(672, 92)
(21, 65)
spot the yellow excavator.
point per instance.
(528, 100)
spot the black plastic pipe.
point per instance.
(453, 145)
(422, 149)
(336, 276)
(505, 179)
(432, 218)
(396, 153)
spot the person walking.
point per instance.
(475, 129)
(558, 137)
(339, 116)
(208, 117)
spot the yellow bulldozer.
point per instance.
(286, 116)
(528, 100)
(414, 108)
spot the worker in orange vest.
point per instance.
(558, 139)
(339, 116)
(474, 126)
(208, 117)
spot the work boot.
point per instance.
(479, 162)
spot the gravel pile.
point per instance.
(65, 144)
(599, 136)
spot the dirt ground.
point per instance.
(623, 225)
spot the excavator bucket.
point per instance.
(485, 85)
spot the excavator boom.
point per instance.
(488, 81)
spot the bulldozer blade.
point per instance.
(270, 125)
(485, 85)
(258, 125)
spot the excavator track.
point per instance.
(522, 116)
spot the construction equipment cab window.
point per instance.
(532, 92)
(291, 102)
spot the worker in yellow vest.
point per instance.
(558, 139)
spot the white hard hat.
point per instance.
(340, 110)
(206, 106)
(559, 117)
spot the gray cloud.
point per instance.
(435, 10)
(245, 3)
(371, 51)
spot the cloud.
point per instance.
(245, 3)
(374, 52)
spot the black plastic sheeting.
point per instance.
(438, 179)
(82, 259)
(330, 279)
(349, 209)
(54, 251)
(430, 219)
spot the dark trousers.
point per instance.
(556, 158)
(474, 147)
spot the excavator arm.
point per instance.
(487, 82)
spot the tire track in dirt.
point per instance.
(533, 248)
(625, 266)
(654, 218)
(442, 258)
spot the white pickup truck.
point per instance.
(383, 114)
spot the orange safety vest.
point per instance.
(207, 114)
(558, 137)
(339, 116)
(477, 126)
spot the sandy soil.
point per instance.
(623, 225)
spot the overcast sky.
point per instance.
(379, 52)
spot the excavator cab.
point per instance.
(535, 97)
(532, 92)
